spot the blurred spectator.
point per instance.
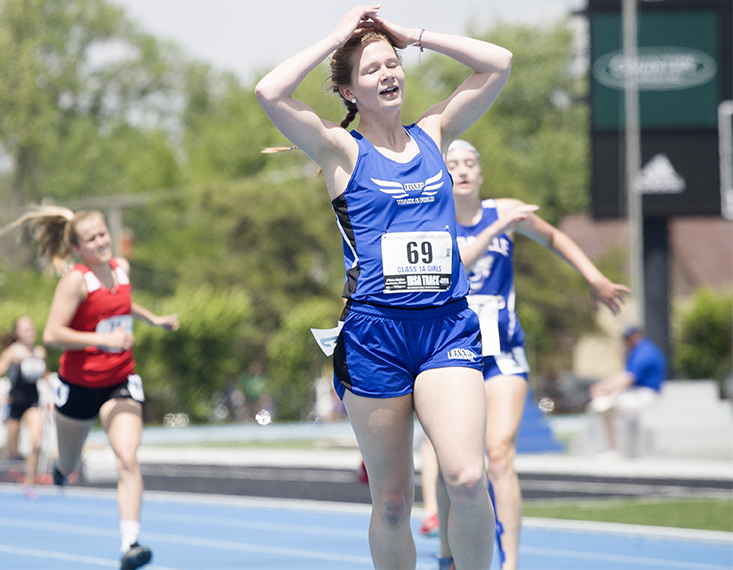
(627, 392)
(328, 407)
(254, 383)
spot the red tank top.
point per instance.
(102, 310)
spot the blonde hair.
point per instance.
(342, 68)
(55, 230)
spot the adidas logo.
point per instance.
(659, 177)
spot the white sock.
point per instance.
(129, 531)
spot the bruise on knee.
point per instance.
(394, 507)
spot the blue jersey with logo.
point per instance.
(398, 226)
(493, 274)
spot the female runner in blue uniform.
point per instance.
(409, 344)
(486, 240)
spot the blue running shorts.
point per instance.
(510, 363)
(381, 350)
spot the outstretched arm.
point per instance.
(168, 322)
(601, 287)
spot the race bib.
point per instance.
(32, 369)
(135, 387)
(109, 324)
(416, 261)
(60, 392)
(487, 308)
(326, 338)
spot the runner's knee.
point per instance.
(465, 484)
(501, 458)
(127, 461)
(393, 506)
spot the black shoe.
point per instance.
(136, 557)
(59, 479)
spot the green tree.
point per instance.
(258, 223)
(296, 360)
(26, 292)
(182, 369)
(77, 82)
(533, 141)
(704, 336)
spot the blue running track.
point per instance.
(77, 529)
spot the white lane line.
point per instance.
(57, 527)
(636, 560)
(244, 547)
(257, 525)
(53, 555)
(210, 499)
(187, 540)
(197, 520)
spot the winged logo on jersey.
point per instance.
(397, 190)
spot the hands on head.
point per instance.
(367, 17)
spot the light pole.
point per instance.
(632, 162)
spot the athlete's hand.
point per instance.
(609, 293)
(509, 219)
(355, 19)
(168, 322)
(118, 338)
(401, 36)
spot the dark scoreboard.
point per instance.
(684, 70)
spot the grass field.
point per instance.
(704, 514)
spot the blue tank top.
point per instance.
(398, 226)
(493, 275)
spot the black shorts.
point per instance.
(83, 403)
(18, 407)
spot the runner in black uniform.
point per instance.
(25, 364)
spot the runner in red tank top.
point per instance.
(91, 319)
(103, 309)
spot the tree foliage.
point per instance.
(533, 141)
(182, 369)
(296, 360)
(77, 81)
(246, 249)
(704, 336)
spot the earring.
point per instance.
(353, 100)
